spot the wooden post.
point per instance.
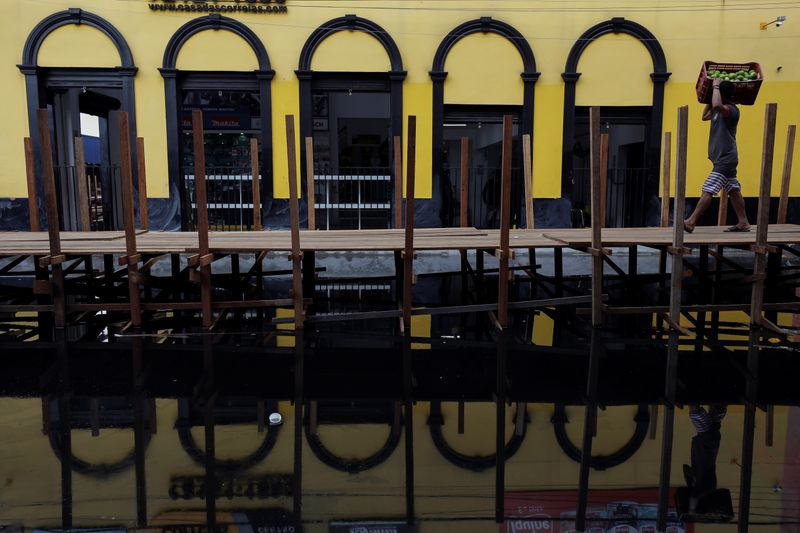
(33, 193)
(464, 183)
(294, 213)
(129, 217)
(665, 177)
(527, 165)
(398, 182)
(310, 198)
(787, 174)
(141, 171)
(82, 186)
(676, 280)
(597, 239)
(505, 223)
(756, 319)
(603, 177)
(255, 169)
(408, 250)
(202, 215)
(51, 208)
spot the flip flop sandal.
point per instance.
(737, 229)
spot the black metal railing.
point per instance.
(353, 198)
(625, 197)
(483, 196)
(229, 194)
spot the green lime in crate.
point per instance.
(746, 79)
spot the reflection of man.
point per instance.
(701, 477)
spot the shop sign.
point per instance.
(372, 526)
(263, 7)
(608, 511)
(219, 118)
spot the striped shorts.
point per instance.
(722, 177)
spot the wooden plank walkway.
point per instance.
(151, 242)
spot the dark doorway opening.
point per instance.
(629, 187)
(353, 152)
(86, 111)
(483, 126)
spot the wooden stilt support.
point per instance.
(665, 178)
(674, 317)
(408, 424)
(294, 213)
(603, 178)
(208, 397)
(408, 250)
(202, 215)
(82, 186)
(255, 171)
(502, 317)
(398, 182)
(597, 318)
(139, 429)
(527, 166)
(310, 197)
(299, 400)
(463, 218)
(756, 309)
(33, 192)
(786, 176)
(141, 175)
(129, 220)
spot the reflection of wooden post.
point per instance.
(129, 217)
(787, 174)
(398, 182)
(310, 198)
(527, 165)
(667, 154)
(141, 170)
(408, 249)
(255, 170)
(83, 189)
(294, 214)
(603, 177)
(464, 183)
(33, 194)
(202, 216)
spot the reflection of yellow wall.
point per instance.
(30, 472)
(482, 69)
(615, 71)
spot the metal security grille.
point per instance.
(230, 198)
(625, 197)
(104, 197)
(355, 198)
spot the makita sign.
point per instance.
(372, 527)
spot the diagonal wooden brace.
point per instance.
(129, 259)
(47, 260)
(674, 325)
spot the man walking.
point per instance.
(722, 152)
(701, 477)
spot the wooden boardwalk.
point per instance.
(161, 242)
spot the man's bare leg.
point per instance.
(737, 201)
(699, 209)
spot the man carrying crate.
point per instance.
(722, 152)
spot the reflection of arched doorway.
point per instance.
(353, 118)
(634, 132)
(79, 101)
(482, 124)
(236, 107)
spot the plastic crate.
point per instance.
(746, 91)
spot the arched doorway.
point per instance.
(80, 101)
(634, 134)
(482, 125)
(236, 107)
(352, 117)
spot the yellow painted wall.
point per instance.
(717, 31)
